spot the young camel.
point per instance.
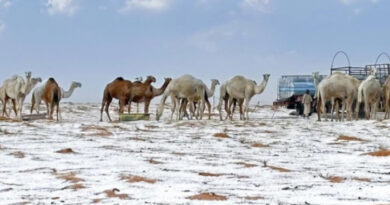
(119, 89)
(142, 92)
(17, 89)
(38, 92)
(153, 92)
(52, 97)
(369, 93)
(187, 87)
(209, 93)
(243, 89)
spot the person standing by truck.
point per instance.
(306, 101)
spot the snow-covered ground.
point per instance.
(272, 158)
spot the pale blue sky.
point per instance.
(94, 41)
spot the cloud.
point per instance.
(5, 3)
(259, 5)
(67, 7)
(151, 5)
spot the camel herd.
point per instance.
(183, 91)
(347, 90)
(17, 88)
(188, 91)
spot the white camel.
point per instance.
(36, 97)
(17, 89)
(369, 93)
(187, 87)
(209, 93)
(242, 89)
(336, 86)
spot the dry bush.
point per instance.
(280, 169)
(66, 151)
(362, 179)
(75, 187)
(70, 176)
(206, 174)
(349, 138)
(334, 179)
(247, 165)
(253, 198)
(135, 179)
(380, 153)
(221, 135)
(152, 161)
(112, 194)
(18, 154)
(259, 145)
(208, 197)
(96, 131)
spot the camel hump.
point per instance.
(119, 78)
(52, 80)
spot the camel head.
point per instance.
(215, 81)
(266, 76)
(76, 84)
(151, 79)
(316, 74)
(373, 71)
(167, 80)
(28, 74)
(34, 81)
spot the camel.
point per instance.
(119, 89)
(68, 93)
(38, 92)
(209, 93)
(386, 93)
(369, 92)
(243, 89)
(336, 86)
(16, 89)
(187, 87)
(52, 96)
(142, 92)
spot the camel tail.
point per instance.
(56, 96)
(360, 95)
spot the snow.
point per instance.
(105, 152)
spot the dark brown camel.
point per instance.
(52, 96)
(119, 89)
(145, 92)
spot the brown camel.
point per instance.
(119, 89)
(145, 92)
(386, 92)
(52, 96)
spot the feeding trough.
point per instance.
(134, 117)
(34, 117)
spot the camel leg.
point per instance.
(52, 110)
(146, 106)
(202, 108)
(332, 108)
(318, 109)
(367, 110)
(109, 100)
(240, 103)
(14, 107)
(386, 109)
(226, 100)
(230, 115)
(247, 108)
(173, 108)
(324, 109)
(209, 108)
(58, 110)
(357, 110)
(101, 109)
(343, 109)
(5, 106)
(192, 109)
(219, 108)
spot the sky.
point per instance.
(94, 42)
